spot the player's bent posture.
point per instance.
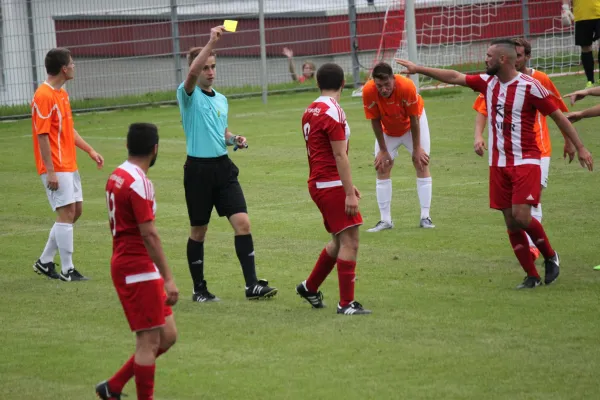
(540, 126)
(54, 146)
(513, 100)
(326, 133)
(398, 118)
(210, 177)
(138, 266)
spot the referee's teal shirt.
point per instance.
(204, 119)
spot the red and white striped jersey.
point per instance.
(324, 121)
(511, 109)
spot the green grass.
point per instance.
(446, 323)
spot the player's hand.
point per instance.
(420, 157)
(356, 193)
(172, 292)
(479, 146)
(585, 158)
(215, 33)
(576, 96)
(566, 16)
(241, 142)
(569, 149)
(52, 181)
(97, 157)
(383, 161)
(411, 68)
(351, 204)
(574, 116)
(288, 52)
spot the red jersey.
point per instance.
(324, 121)
(130, 201)
(512, 109)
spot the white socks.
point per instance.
(64, 239)
(384, 198)
(536, 212)
(424, 189)
(51, 247)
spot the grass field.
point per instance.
(446, 324)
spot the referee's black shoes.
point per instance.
(260, 290)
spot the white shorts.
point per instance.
(394, 142)
(545, 164)
(69, 189)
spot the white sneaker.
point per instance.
(381, 225)
(426, 223)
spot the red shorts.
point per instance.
(515, 185)
(144, 303)
(332, 204)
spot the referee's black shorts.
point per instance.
(212, 182)
(587, 32)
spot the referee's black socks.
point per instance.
(244, 248)
(195, 256)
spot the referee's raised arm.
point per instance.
(200, 60)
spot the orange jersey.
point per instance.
(51, 115)
(394, 111)
(541, 126)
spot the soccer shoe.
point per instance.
(104, 393)
(72, 275)
(202, 295)
(381, 225)
(260, 290)
(315, 299)
(530, 282)
(354, 308)
(426, 223)
(535, 253)
(552, 269)
(48, 269)
(589, 85)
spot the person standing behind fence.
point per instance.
(210, 177)
(54, 147)
(308, 67)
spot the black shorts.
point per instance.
(212, 182)
(587, 32)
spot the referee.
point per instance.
(210, 177)
(587, 31)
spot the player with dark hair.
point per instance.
(513, 100)
(210, 177)
(398, 118)
(326, 133)
(139, 270)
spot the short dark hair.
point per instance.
(56, 59)
(522, 42)
(504, 42)
(193, 53)
(141, 139)
(330, 76)
(382, 70)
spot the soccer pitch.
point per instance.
(446, 323)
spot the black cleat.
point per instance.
(552, 269)
(48, 269)
(530, 282)
(260, 290)
(354, 308)
(202, 295)
(104, 393)
(315, 299)
(72, 275)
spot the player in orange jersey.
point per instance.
(398, 118)
(54, 142)
(523, 48)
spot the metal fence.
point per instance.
(134, 47)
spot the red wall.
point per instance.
(325, 35)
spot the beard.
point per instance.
(492, 69)
(153, 160)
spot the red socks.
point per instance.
(144, 381)
(321, 270)
(346, 276)
(535, 230)
(520, 245)
(120, 379)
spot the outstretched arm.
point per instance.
(443, 75)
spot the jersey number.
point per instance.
(306, 130)
(110, 203)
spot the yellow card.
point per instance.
(230, 25)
